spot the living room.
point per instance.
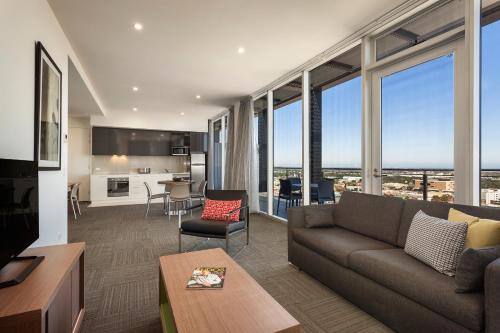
(324, 166)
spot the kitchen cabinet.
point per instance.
(136, 142)
(109, 141)
(149, 143)
(98, 187)
(137, 190)
(199, 142)
(180, 139)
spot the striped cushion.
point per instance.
(436, 242)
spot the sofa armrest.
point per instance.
(296, 218)
(492, 296)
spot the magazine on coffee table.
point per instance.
(207, 278)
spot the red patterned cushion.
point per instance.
(215, 210)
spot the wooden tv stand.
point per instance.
(50, 300)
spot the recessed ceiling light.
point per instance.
(241, 50)
(134, 109)
(198, 96)
(137, 26)
(182, 113)
(135, 88)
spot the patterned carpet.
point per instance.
(121, 266)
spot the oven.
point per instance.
(118, 187)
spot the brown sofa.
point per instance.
(362, 258)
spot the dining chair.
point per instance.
(325, 191)
(296, 188)
(200, 194)
(152, 196)
(179, 194)
(73, 198)
(288, 193)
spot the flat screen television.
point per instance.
(18, 207)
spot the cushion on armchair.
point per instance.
(217, 210)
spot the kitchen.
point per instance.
(123, 159)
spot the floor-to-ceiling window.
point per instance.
(335, 127)
(490, 104)
(261, 137)
(287, 147)
(419, 107)
(218, 154)
(417, 110)
(218, 132)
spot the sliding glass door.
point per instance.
(287, 147)
(413, 132)
(490, 104)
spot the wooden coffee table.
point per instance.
(242, 305)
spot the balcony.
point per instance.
(419, 184)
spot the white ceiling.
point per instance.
(189, 47)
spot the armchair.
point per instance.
(218, 229)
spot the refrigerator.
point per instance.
(198, 170)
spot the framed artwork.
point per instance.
(48, 92)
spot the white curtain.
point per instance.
(242, 167)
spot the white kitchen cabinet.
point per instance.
(98, 187)
(137, 189)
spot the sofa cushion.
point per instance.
(335, 243)
(370, 215)
(481, 232)
(436, 242)
(318, 216)
(397, 271)
(471, 268)
(199, 226)
(438, 209)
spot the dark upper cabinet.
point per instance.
(180, 139)
(149, 143)
(109, 141)
(136, 142)
(199, 142)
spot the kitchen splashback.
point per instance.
(126, 164)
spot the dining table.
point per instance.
(168, 185)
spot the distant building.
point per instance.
(436, 185)
(490, 197)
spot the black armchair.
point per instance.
(214, 229)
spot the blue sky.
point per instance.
(341, 125)
(288, 135)
(490, 96)
(417, 117)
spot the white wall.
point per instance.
(22, 23)
(79, 159)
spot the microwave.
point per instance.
(180, 151)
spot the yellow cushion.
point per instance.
(457, 216)
(481, 232)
